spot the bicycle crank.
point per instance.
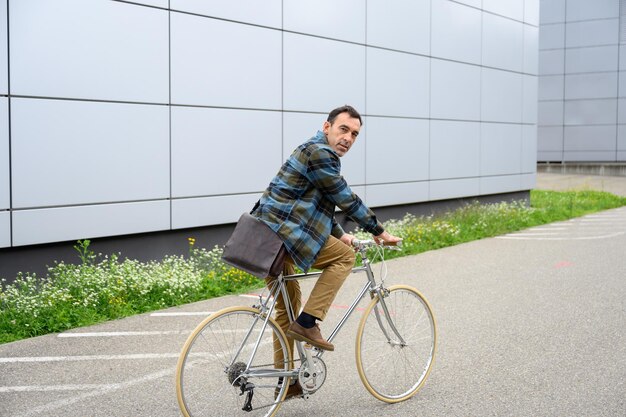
(312, 375)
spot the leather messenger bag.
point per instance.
(255, 248)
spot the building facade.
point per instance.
(121, 118)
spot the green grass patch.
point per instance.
(106, 287)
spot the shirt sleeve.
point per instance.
(324, 172)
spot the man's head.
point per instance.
(341, 128)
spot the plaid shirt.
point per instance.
(300, 202)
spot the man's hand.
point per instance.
(347, 238)
(387, 239)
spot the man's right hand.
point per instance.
(387, 239)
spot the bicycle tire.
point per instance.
(389, 371)
(207, 375)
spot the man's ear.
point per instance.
(326, 127)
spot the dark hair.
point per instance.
(344, 109)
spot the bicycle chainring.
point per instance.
(312, 375)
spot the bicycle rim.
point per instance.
(210, 367)
(390, 371)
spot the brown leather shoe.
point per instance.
(312, 336)
(294, 391)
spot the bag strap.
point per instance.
(256, 206)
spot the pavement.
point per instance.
(529, 324)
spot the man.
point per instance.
(299, 205)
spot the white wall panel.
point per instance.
(31, 227)
(300, 127)
(621, 111)
(587, 10)
(69, 152)
(529, 148)
(509, 8)
(552, 36)
(550, 156)
(531, 49)
(398, 24)
(528, 181)
(593, 85)
(312, 75)
(622, 57)
(197, 212)
(529, 93)
(552, 11)
(621, 137)
(502, 43)
(265, 13)
(577, 138)
(155, 3)
(589, 156)
(223, 151)
(454, 149)
(621, 156)
(344, 20)
(394, 194)
(397, 150)
(4, 52)
(591, 33)
(455, 91)
(97, 50)
(244, 71)
(552, 62)
(5, 180)
(550, 138)
(501, 96)
(456, 31)
(593, 59)
(590, 112)
(551, 87)
(531, 12)
(499, 184)
(500, 149)
(398, 84)
(551, 113)
(5, 229)
(445, 189)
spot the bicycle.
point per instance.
(227, 363)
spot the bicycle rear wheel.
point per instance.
(390, 370)
(212, 377)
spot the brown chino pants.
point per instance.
(336, 259)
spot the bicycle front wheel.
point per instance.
(394, 368)
(219, 373)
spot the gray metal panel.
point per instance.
(551, 36)
(495, 85)
(198, 212)
(551, 87)
(621, 138)
(592, 59)
(552, 62)
(454, 149)
(413, 143)
(5, 229)
(308, 82)
(591, 112)
(5, 179)
(500, 149)
(71, 152)
(155, 3)
(265, 13)
(343, 20)
(551, 113)
(31, 227)
(621, 156)
(213, 74)
(398, 84)
(104, 50)
(500, 184)
(509, 8)
(4, 52)
(456, 31)
(455, 90)
(551, 156)
(531, 12)
(594, 85)
(531, 49)
(549, 138)
(205, 141)
(552, 11)
(529, 93)
(400, 25)
(622, 57)
(590, 138)
(392, 194)
(591, 33)
(502, 42)
(462, 187)
(587, 10)
(622, 84)
(529, 149)
(589, 156)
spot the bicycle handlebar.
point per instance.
(370, 243)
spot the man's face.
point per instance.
(342, 133)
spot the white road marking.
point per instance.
(182, 313)
(117, 334)
(137, 356)
(46, 388)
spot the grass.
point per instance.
(105, 287)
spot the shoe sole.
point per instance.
(298, 336)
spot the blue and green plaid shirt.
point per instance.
(300, 202)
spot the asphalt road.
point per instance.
(530, 324)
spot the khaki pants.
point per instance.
(336, 259)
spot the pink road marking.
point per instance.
(563, 264)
